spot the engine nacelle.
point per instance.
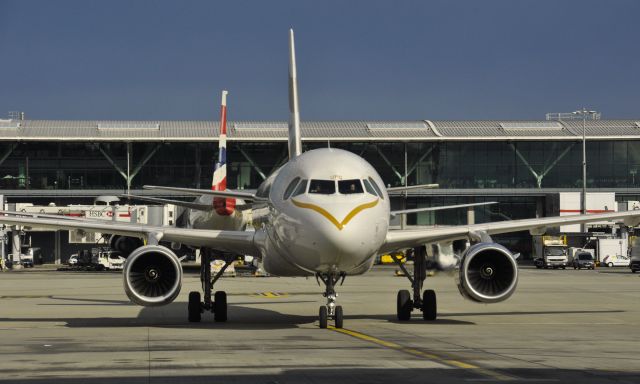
(125, 244)
(488, 273)
(152, 276)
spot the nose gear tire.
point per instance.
(338, 317)
(322, 317)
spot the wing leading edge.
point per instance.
(399, 239)
(240, 242)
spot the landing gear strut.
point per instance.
(331, 310)
(219, 303)
(424, 301)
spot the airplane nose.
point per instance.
(345, 237)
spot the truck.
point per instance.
(550, 251)
(107, 259)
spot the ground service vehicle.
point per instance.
(616, 261)
(552, 252)
(635, 265)
(583, 260)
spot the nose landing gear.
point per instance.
(330, 310)
(219, 303)
(427, 301)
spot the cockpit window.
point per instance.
(375, 186)
(323, 187)
(347, 187)
(302, 188)
(290, 188)
(369, 188)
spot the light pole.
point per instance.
(583, 206)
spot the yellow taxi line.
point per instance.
(425, 355)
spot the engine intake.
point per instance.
(488, 273)
(152, 276)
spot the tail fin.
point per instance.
(223, 206)
(219, 182)
(295, 142)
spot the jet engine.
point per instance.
(152, 276)
(488, 273)
(124, 244)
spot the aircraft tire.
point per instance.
(220, 306)
(322, 317)
(339, 318)
(193, 307)
(404, 305)
(429, 305)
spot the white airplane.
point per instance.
(323, 213)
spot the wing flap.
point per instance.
(410, 187)
(186, 204)
(247, 196)
(443, 207)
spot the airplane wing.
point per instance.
(240, 242)
(400, 239)
(180, 203)
(408, 187)
(443, 207)
(247, 196)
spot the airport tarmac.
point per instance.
(560, 326)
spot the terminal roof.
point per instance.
(416, 130)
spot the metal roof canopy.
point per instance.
(275, 131)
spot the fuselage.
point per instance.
(324, 211)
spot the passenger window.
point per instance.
(347, 187)
(302, 188)
(322, 187)
(290, 188)
(375, 186)
(369, 188)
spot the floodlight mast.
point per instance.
(583, 204)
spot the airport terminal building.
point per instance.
(517, 163)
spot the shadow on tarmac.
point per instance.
(174, 315)
(339, 375)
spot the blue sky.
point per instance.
(356, 59)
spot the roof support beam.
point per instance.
(417, 162)
(112, 162)
(546, 169)
(129, 175)
(8, 152)
(386, 160)
(144, 160)
(253, 163)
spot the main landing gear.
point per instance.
(219, 303)
(331, 310)
(427, 301)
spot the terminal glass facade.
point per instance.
(453, 165)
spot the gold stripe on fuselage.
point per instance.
(330, 217)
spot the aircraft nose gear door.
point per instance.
(331, 310)
(427, 303)
(219, 303)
